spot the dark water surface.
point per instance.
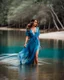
(51, 59)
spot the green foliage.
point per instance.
(4, 7)
(22, 11)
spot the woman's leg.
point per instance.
(36, 57)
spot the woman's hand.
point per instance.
(26, 41)
(24, 45)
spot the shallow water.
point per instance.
(47, 69)
(51, 58)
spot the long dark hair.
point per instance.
(31, 24)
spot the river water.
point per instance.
(50, 64)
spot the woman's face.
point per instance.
(35, 23)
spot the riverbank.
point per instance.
(58, 35)
(11, 29)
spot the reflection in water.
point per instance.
(50, 43)
(51, 59)
(29, 72)
(24, 72)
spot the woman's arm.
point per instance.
(27, 37)
(26, 40)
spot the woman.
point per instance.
(29, 54)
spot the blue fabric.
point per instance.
(27, 54)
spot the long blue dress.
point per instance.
(27, 54)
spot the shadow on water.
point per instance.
(51, 59)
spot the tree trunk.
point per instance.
(57, 17)
(49, 26)
(54, 21)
